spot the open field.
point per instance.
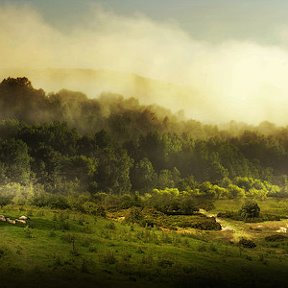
(269, 206)
(69, 249)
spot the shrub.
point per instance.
(54, 201)
(171, 201)
(246, 243)
(127, 200)
(93, 209)
(135, 216)
(208, 223)
(7, 193)
(249, 210)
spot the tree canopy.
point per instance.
(116, 145)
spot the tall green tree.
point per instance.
(15, 160)
(143, 176)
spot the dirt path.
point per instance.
(237, 229)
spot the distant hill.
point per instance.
(95, 82)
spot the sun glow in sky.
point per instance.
(231, 54)
(263, 21)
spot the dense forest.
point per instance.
(65, 144)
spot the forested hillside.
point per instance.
(65, 143)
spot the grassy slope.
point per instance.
(108, 253)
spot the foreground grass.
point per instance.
(69, 249)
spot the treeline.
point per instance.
(123, 118)
(67, 143)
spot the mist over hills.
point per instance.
(213, 83)
(187, 101)
(95, 82)
(83, 109)
(20, 100)
(113, 130)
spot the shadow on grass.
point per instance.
(74, 279)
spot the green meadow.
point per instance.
(63, 248)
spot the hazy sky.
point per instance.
(210, 20)
(232, 53)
